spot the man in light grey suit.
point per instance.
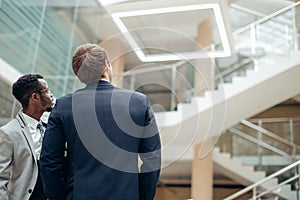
(20, 141)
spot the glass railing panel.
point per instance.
(185, 79)
(166, 86)
(240, 68)
(284, 128)
(239, 18)
(156, 84)
(259, 147)
(242, 147)
(243, 42)
(276, 146)
(287, 177)
(257, 153)
(274, 34)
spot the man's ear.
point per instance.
(107, 65)
(106, 68)
(35, 96)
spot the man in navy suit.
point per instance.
(106, 129)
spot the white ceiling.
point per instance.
(94, 16)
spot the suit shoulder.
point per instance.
(141, 95)
(132, 93)
(11, 124)
(65, 98)
(9, 127)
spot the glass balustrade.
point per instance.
(165, 86)
(286, 188)
(259, 147)
(259, 144)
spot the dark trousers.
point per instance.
(38, 191)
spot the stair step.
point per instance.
(286, 192)
(238, 79)
(271, 183)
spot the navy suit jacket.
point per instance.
(104, 129)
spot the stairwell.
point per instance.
(246, 175)
(274, 79)
(248, 153)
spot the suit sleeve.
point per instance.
(52, 157)
(150, 154)
(6, 149)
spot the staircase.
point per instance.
(266, 188)
(274, 79)
(234, 169)
(250, 153)
(246, 175)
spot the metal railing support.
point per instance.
(259, 183)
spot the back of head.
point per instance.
(88, 62)
(25, 86)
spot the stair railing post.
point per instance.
(231, 143)
(253, 39)
(132, 82)
(259, 148)
(298, 182)
(291, 126)
(288, 39)
(173, 88)
(254, 192)
(295, 32)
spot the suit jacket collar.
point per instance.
(26, 132)
(21, 119)
(99, 83)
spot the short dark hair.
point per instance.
(88, 62)
(24, 87)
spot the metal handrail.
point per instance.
(264, 19)
(247, 10)
(278, 186)
(270, 120)
(269, 133)
(259, 142)
(152, 69)
(255, 185)
(233, 68)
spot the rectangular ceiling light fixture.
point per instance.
(224, 33)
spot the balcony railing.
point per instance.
(259, 190)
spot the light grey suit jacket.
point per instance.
(18, 165)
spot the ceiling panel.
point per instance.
(171, 28)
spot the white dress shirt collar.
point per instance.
(31, 122)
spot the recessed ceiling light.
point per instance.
(220, 23)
